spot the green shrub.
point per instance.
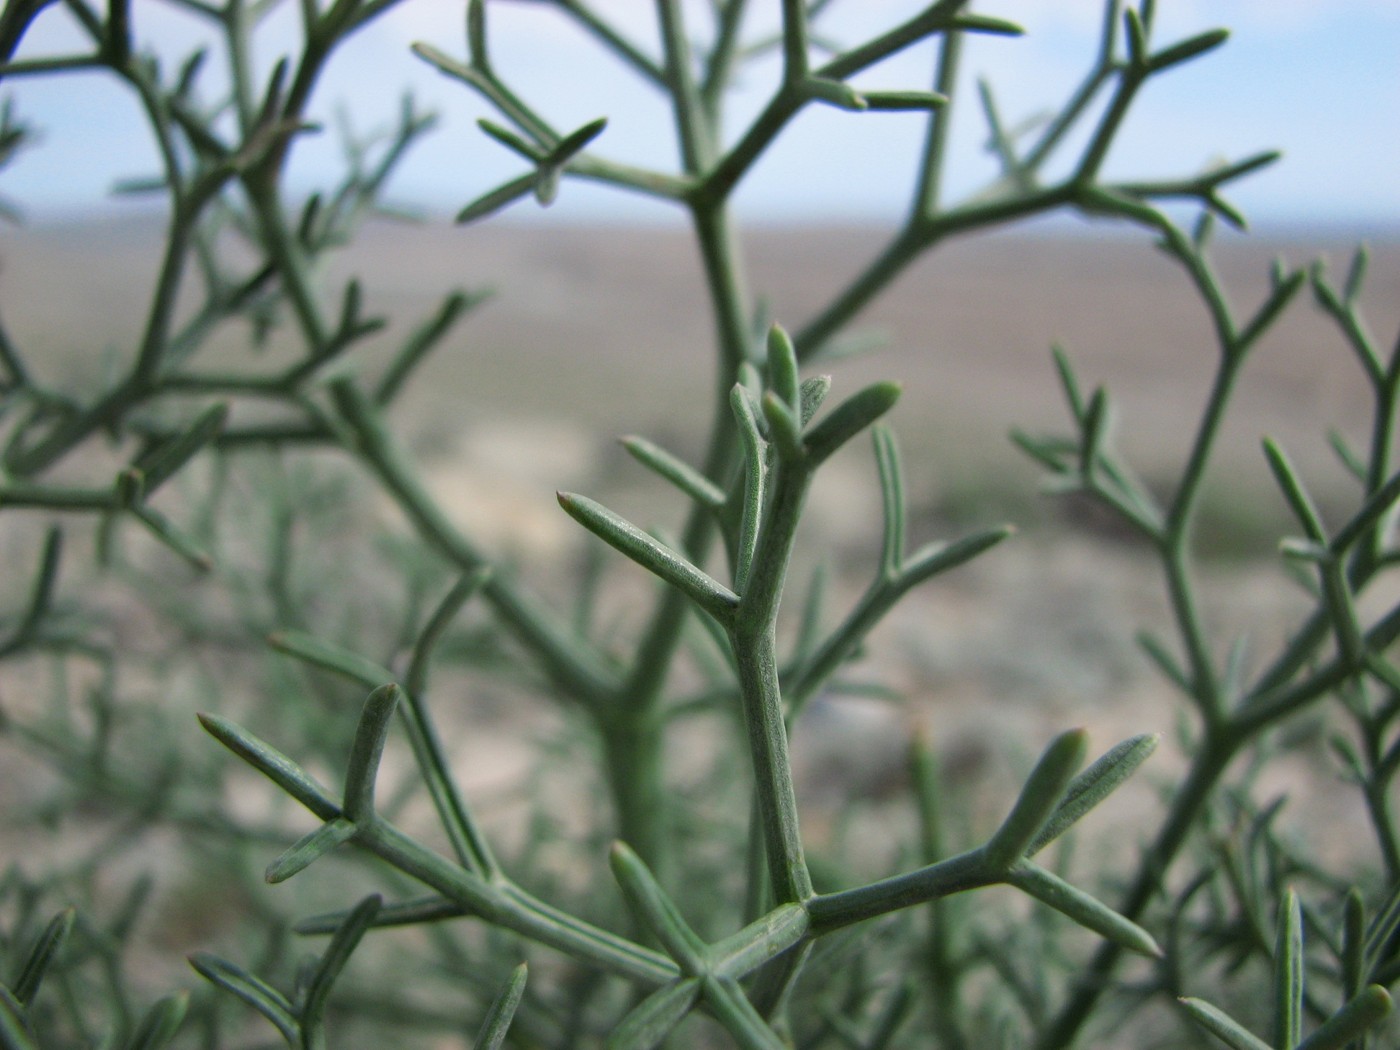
(249, 429)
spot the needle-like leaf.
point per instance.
(332, 962)
(499, 1015)
(1361, 1014)
(654, 1018)
(849, 418)
(1084, 909)
(310, 848)
(42, 955)
(366, 751)
(331, 657)
(679, 473)
(1221, 1025)
(1094, 785)
(1039, 798)
(1288, 972)
(276, 766)
(716, 599)
(257, 993)
(160, 1023)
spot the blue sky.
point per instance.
(1318, 79)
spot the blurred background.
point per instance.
(598, 323)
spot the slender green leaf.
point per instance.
(903, 101)
(1346, 455)
(42, 955)
(1095, 426)
(494, 200)
(755, 479)
(1088, 911)
(974, 22)
(1289, 969)
(783, 428)
(1348, 756)
(466, 588)
(366, 751)
(935, 558)
(1305, 551)
(164, 460)
(1094, 785)
(423, 340)
(532, 152)
(1221, 1025)
(1383, 927)
(1240, 168)
(476, 33)
(1377, 505)
(257, 993)
(274, 765)
(1054, 454)
(849, 418)
(739, 1017)
(1068, 382)
(1166, 663)
(160, 1023)
(330, 965)
(1042, 793)
(834, 93)
(1353, 953)
(1137, 38)
(1294, 492)
(431, 908)
(813, 393)
(892, 500)
(679, 473)
(173, 537)
(309, 848)
(41, 595)
(1287, 286)
(783, 377)
(1362, 1013)
(446, 64)
(652, 908)
(760, 941)
(653, 1019)
(1204, 231)
(331, 657)
(1195, 47)
(575, 141)
(1356, 275)
(719, 601)
(502, 1011)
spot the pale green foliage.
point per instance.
(724, 929)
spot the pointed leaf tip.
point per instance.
(502, 1011)
(1040, 797)
(653, 555)
(849, 418)
(1094, 785)
(367, 749)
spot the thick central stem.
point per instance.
(634, 733)
(768, 747)
(753, 636)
